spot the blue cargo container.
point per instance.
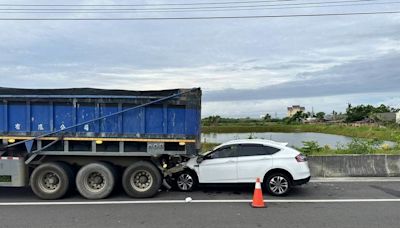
(80, 126)
(35, 116)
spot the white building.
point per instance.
(294, 109)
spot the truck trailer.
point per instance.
(92, 140)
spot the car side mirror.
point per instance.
(200, 159)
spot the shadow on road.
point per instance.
(386, 190)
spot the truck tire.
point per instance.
(52, 180)
(96, 180)
(141, 180)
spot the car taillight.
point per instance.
(301, 158)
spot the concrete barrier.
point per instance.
(355, 166)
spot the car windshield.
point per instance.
(210, 151)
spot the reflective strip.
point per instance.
(103, 139)
(258, 185)
(9, 158)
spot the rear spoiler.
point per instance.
(283, 143)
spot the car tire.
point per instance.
(278, 184)
(141, 180)
(51, 181)
(96, 180)
(185, 181)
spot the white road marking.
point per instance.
(354, 179)
(193, 201)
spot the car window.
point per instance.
(269, 150)
(255, 149)
(224, 152)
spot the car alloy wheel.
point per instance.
(185, 182)
(278, 185)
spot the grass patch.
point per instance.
(356, 146)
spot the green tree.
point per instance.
(361, 112)
(382, 108)
(297, 117)
(320, 115)
(215, 120)
(211, 120)
(267, 117)
(311, 147)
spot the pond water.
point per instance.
(294, 139)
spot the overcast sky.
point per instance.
(245, 67)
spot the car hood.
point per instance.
(192, 162)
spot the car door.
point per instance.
(219, 166)
(254, 160)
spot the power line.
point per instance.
(201, 18)
(158, 4)
(188, 8)
(205, 10)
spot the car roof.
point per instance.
(254, 141)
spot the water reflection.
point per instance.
(294, 139)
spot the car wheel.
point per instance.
(278, 184)
(186, 181)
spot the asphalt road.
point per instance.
(327, 204)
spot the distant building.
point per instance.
(398, 117)
(311, 120)
(294, 109)
(388, 117)
(335, 117)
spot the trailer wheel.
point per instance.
(96, 180)
(141, 180)
(51, 180)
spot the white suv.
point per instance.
(242, 161)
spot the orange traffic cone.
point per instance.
(258, 201)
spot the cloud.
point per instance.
(246, 62)
(278, 107)
(362, 76)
